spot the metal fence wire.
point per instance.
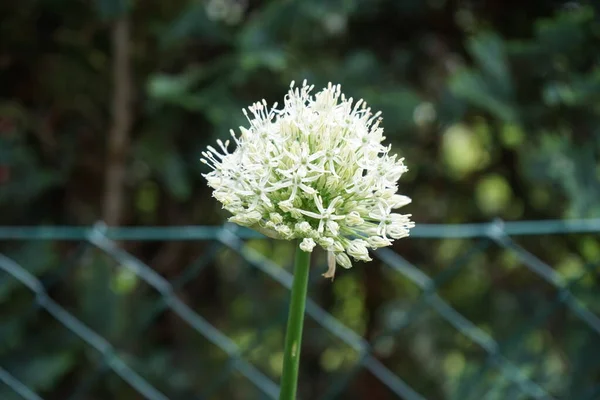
(510, 375)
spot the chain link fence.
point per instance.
(248, 366)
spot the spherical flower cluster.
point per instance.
(314, 170)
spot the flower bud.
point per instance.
(270, 225)
(267, 231)
(343, 260)
(397, 231)
(358, 250)
(226, 198)
(303, 228)
(284, 231)
(399, 200)
(276, 218)
(333, 227)
(307, 245)
(325, 242)
(286, 205)
(353, 218)
(376, 242)
(246, 219)
(337, 246)
(332, 180)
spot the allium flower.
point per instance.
(314, 170)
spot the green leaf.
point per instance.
(565, 33)
(488, 51)
(472, 87)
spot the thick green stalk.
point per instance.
(293, 335)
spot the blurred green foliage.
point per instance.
(495, 105)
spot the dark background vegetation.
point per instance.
(105, 106)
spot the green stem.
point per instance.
(293, 335)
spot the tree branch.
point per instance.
(118, 137)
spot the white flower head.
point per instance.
(314, 169)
